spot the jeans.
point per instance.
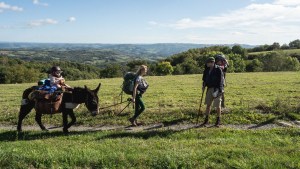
(139, 106)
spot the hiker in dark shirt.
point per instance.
(213, 79)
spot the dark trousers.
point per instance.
(139, 106)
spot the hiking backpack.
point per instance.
(128, 83)
(225, 64)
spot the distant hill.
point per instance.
(97, 54)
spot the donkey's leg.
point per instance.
(65, 120)
(38, 119)
(24, 111)
(73, 118)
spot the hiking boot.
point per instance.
(139, 123)
(205, 123)
(132, 121)
(136, 122)
(218, 122)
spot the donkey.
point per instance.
(69, 101)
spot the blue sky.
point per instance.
(150, 21)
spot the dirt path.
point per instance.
(159, 126)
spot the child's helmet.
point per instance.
(55, 69)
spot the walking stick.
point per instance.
(200, 105)
(129, 101)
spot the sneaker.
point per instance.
(139, 123)
(218, 122)
(205, 123)
(132, 121)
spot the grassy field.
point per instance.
(250, 97)
(287, 52)
(195, 148)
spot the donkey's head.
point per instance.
(92, 100)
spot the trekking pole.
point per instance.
(121, 95)
(129, 101)
(200, 105)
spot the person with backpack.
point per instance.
(223, 64)
(213, 79)
(139, 88)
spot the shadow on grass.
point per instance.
(169, 123)
(140, 135)
(269, 121)
(150, 132)
(290, 116)
(34, 135)
(176, 121)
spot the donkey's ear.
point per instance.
(85, 87)
(97, 89)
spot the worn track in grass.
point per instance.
(160, 126)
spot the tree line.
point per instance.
(240, 60)
(19, 71)
(268, 58)
(272, 58)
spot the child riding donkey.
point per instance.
(50, 91)
(56, 79)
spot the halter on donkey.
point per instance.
(69, 101)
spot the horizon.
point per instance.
(250, 22)
(127, 43)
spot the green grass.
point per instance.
(176, 99)
(288, 52)
(195, 148)
(251, 98)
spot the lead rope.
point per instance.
(121, 93)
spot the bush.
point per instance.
(164, 68)
(255, 66)
(276, 61)
(113, 70)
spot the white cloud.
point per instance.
(37, 2)
(287, 2)
(252, 15)
(71, 19)
(42, 22)
(262, 22)
(236, 33)
(4, 6)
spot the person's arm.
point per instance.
(220, 80)
(203, 79)
(136, 84)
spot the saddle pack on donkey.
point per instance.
(49, 103)
(46, 97)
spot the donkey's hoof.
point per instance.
(19, 129)
(66, 131)
(44, 129)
